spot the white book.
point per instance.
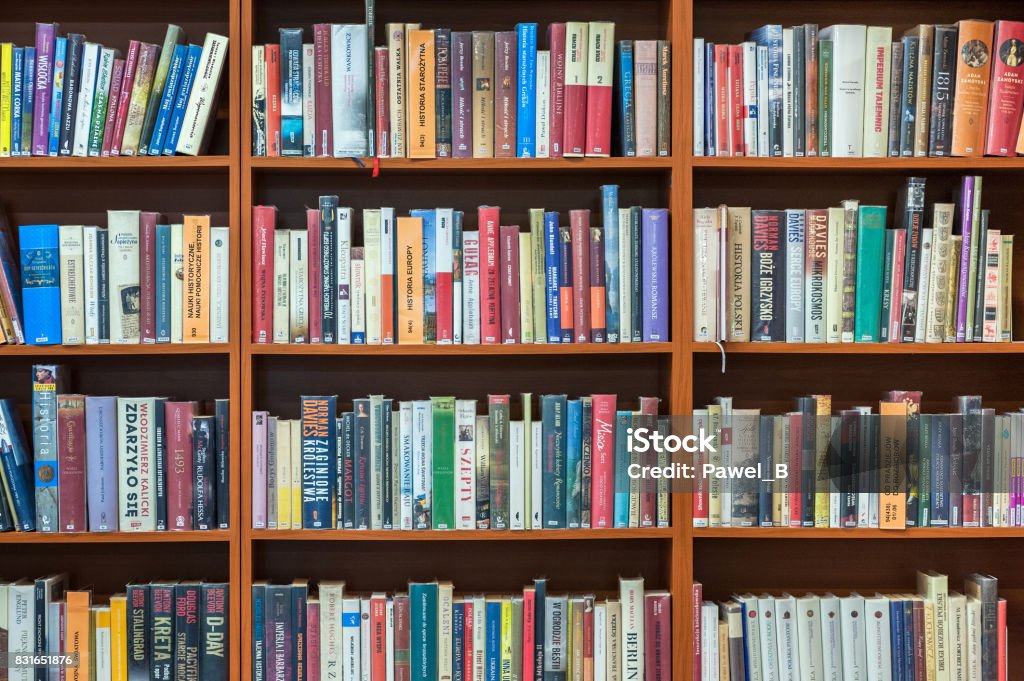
(705, 272)
(282, 290)
(517, 476)
(387, 265)
(796, 249)
(831, 639)
(421, 463)
(260, 423)
(220, 284)
(809, 639)
(769, 635)
(136, 463)
(854, 638)
(834, 278)
(365, 640)
(698, 97)
(202, 100)
(877, 78)
(763, 148)
(726, 451)
(834, 498)
(351, 648)
(751, 638)
(479, 661)
(344, 261)
(751, 111)
(178, 283)
(54, 631)
(600, 647)
(537, 475)
(709, 622)
(91, 282)
(631, 596)
(349, 90)
(445, 597)
(848, 44)
(924, 281)
(543, 103)
(372, 268)
(471, 288)
(86, 96)
(21, 626)
(331, 597)
(443, 219)
(405, 450)
(788, 110)
(526, 287)
(308, 100)
(465, 464)
(972, 671)
(103, 76)
(625, 277)
(298, 286)
(957, 637)
(389, 640)
(358, 296)
(101, 639)
(877, 639)
(123, 277)
(396, 88)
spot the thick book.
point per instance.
(600, 60)
(180, 464)
(1006, 96)
(319, 457)
(556, 46)
(870, 249)
(48, 380)
(526, 90)
(848, 45)
(944, 65)
(655, 278)
(971, 89)
(124, 278)
(101, 466)
(16, 467)
(580, 231)
(768, 281)
(71, 470)
(645, 80)
(142, 86)
(442, 91)
(40, 278)
(291, 91)
(421, 111)
(483, 94)
(443, 463)
(575, 99)
(136, 440)
(169, 53)
(505, 107)
(462, 94)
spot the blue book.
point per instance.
(458, 641)
(17, 467)
(770, 36)
(710, 93)
(181, 99)
(163, 284)
(17, 99)
(552, 302)
(60, 53)
(259, 649)
(492, 655)
(423, 631)
(654, 267)
(429, 272)
(526, 92)
(625, 99)
(565, 281)
(896, 638)
(291, 91)
(540, 594)
(573, 462)
(610, 220)
(28, 99)
(552, 411)
(40, 283)
(766, 458)
(279, 630)
(101, 462)
(163, 118)
(620, 507)
(940, 470)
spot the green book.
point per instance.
(497, 413)
(976, 243)
(887, 284)
(540, 330)
(174, 36)
(870, 253)
(825, 97)
(923, 482)
(104, 76)
(442, 411)
(423, 630)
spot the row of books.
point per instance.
(120, 464)
(839, 275)
(934, 633)
(67, 96)
(134, 281)
(162, 630)
(851, 91)
(893, 469)
(437, 464)
(438, 93)
(428, 279)
(432, 633)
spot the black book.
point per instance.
(222, 409)
(956, 469)
(186, 630)
(766, 457)
(160, 430)
(346, 472)
(140, 646)
(162, 635)
(46, 590)
(908, 95)
(969, 407)
(849, 456)
(278, 635)
(204, 470)
(636, 287)
(985, 589)
(895, 98)
(808, 455)
(988, 465)
(387, 467)
(540, 589)
(362, 450)
(768, 289)
(944, 61)
(328, 268)
(299, 595)
(72, 84)
(911, 217)
(443, 89)
(890, 250)
(586, 461)
(799, 91)
(213, 633)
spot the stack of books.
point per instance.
(432, 633)
(852, 91)
(120, 464)
(427, 279)
(838, 275)
(884, 636)
(166, 630)
(437, 93)
(436, 464)
(69, 97)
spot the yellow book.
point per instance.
(526, 287)
(101, 644)
(77, 633)
(821, 471)
(892, 503)
(6, 82)
(296, 477)
(505, 669)
(196, 307)
(284, 474)
(119, 638)
(422, 138)
(409, 275)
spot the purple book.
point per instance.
(101, 462)
(654, 263)
(462, 94)
(45, 34)
(966, 231)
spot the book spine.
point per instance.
(308, 99)
(86, 97)
(442, 92)
(505, 106)
(101, 454)
(60, 56)
(1006, 96)
(319, 453)
(552, 278)
(600, 62)
(626, 100)
(101, 99)
(526, 91)
(645, 64)
(116, 81)
(165, 105)
(511, 331)
(162, 284)
(141, 90)
(556, 46)
(125, 96)
(327, 226)
(655, 283)
(575, 98)
(922, 105)
(462, 94)
(971, 89)
(200, 111)
(580, 231)
(543, 108)
(553, 415)
(213, 632)
(71, 472)
(443, 266)
(40, 272)
(498, 468)
(147, 271)
(940, 134)
(421, 58)
(42, 87)
(204, 502)
(663, 138)
(491, 289)
(610, 256)
(72, 86)
(47, 382)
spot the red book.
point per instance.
(600, 59)
(723, 131)
(796, 444)
(895, 318)
(378, 636)
(597, 300)
(272, 55)
(602, 495)
(588, 637)
(696, 601)
(575, 128)
(263, 219)
(116, 76)
(556, 120)
(312, 641)
(444, 260)
(316, 326)
(383, 106)
(510, 328)
(403, 672)
(649, 486)
(1001, 640)
(1006, 89)
(323, 142)
(737, 110)
(125, 96)
(658, 636)
(700, 483)
(147, 278)
(179, 467)
(490, 303)
(579, 224)
(71, 480)
(529, 625)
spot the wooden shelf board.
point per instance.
(745, 533)
(113, 164)
(132, 349)
(714, 163)
(114, 537)
(862, 348)
(462, 535)
(440, 165)
(512, 349)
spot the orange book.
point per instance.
(892, 509)
(119, 638)
(422, 137)
(970, 98)
(196, 298)
(409, 270)
(77, 635)
(272, 55)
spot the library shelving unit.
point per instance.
(66, 190)
(769, 375)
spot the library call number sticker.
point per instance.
(31, 660)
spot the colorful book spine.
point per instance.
(319, 457)
(101, 455)
(526, 94)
